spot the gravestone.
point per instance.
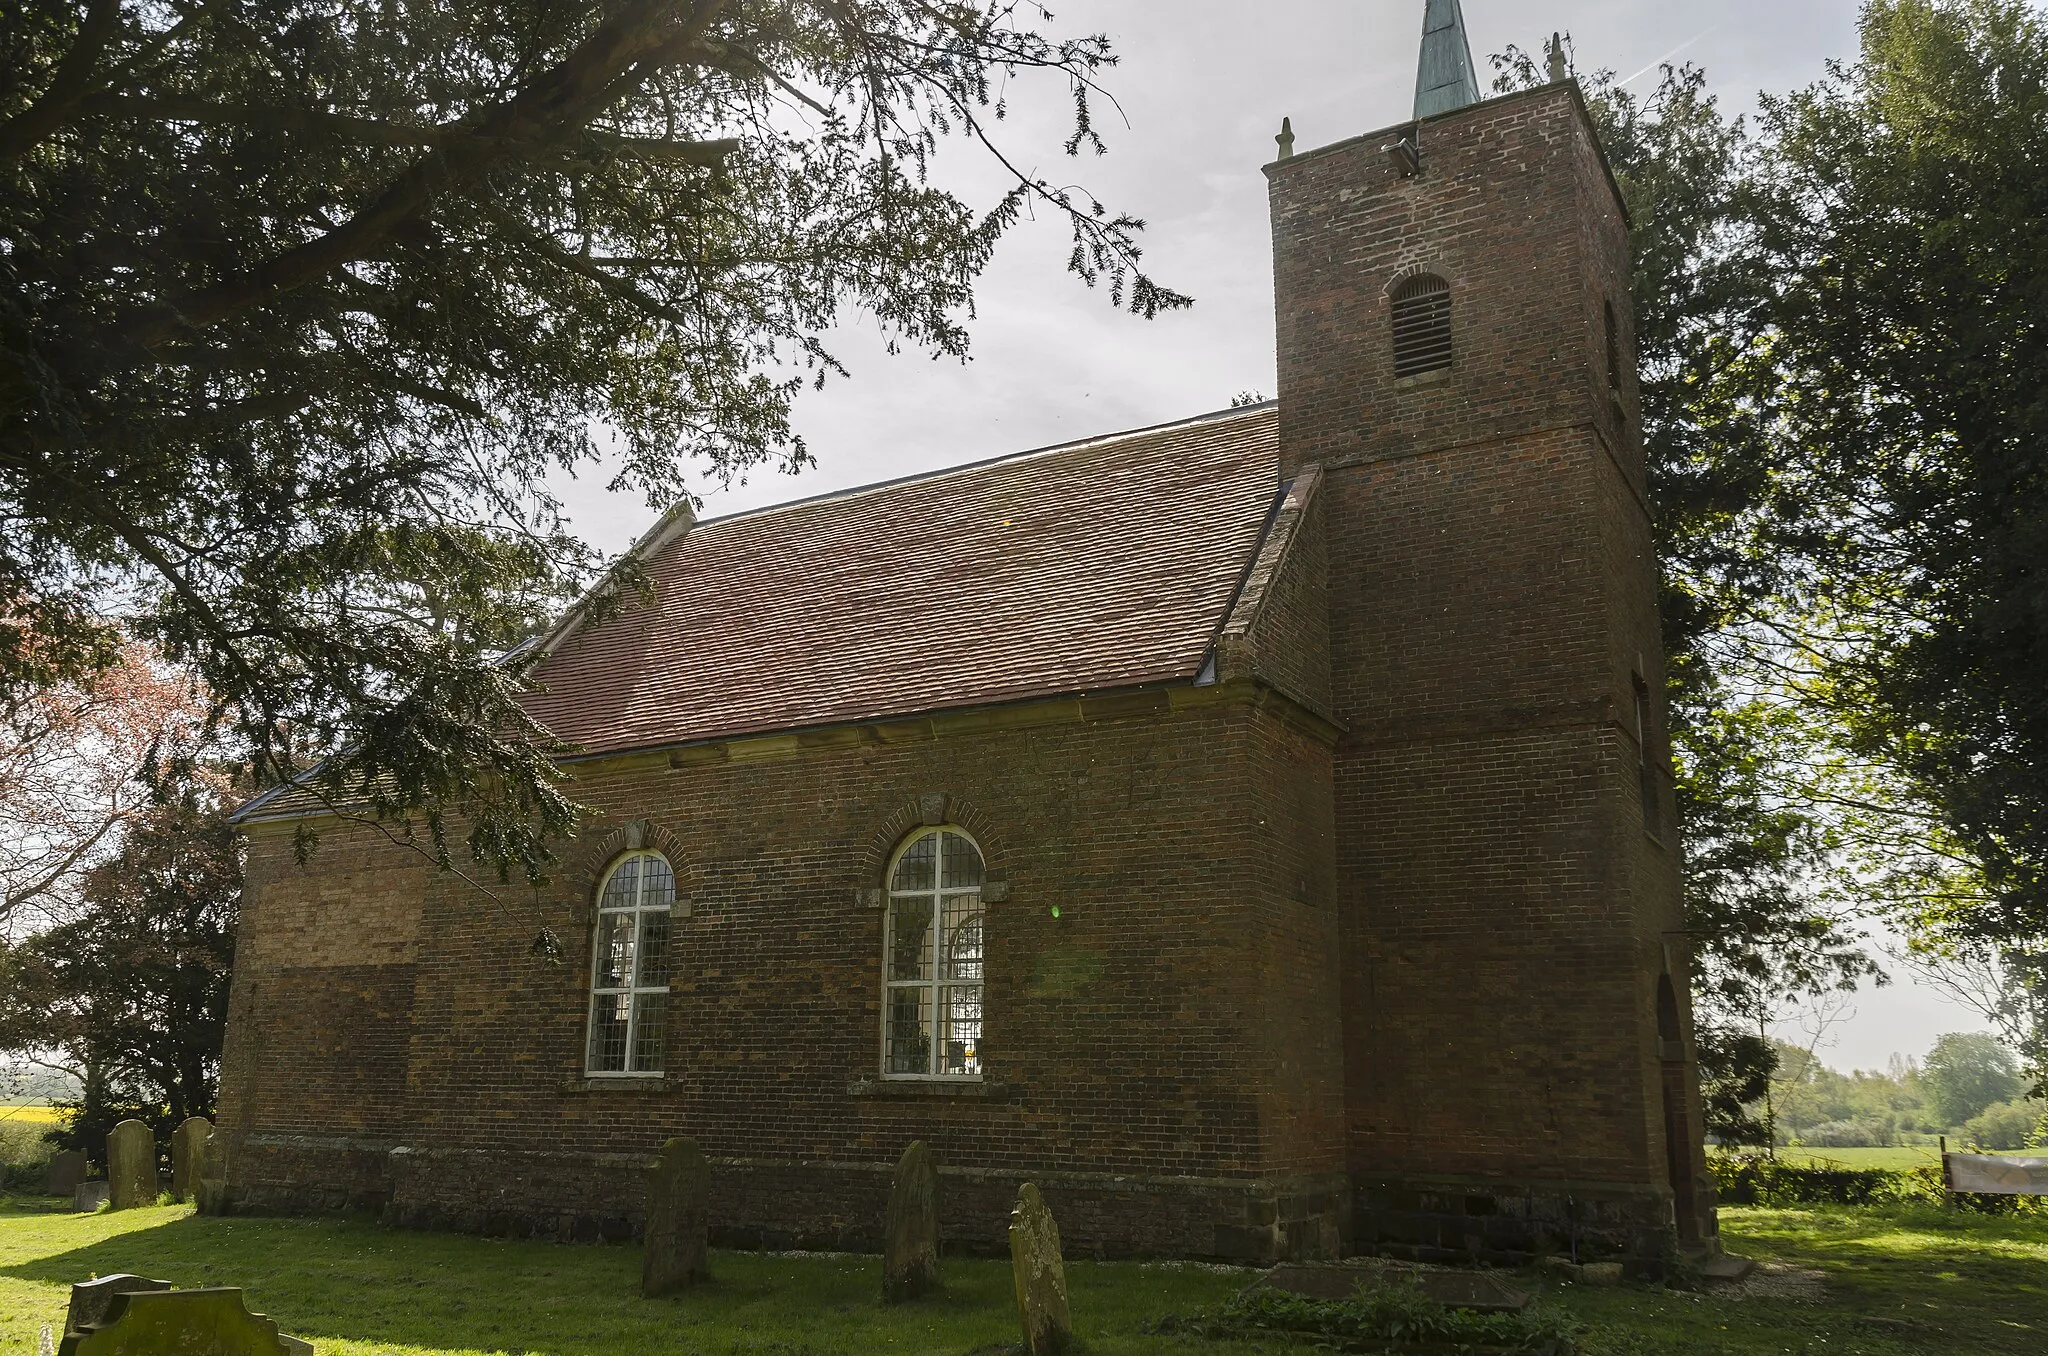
(65, 1172)
(189, 1143)
(90, 1300)
(89, 1197)
(910, 1239)
(131, 1165)
(1040, 1276)
(214, 1322)
(678, 1217)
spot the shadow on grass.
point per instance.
(1888, 1281)
(354, 1285)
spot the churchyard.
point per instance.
(1834, 1280)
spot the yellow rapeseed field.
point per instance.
(34, 1114)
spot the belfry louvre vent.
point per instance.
(1422, 326)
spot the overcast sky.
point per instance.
(1204, 84)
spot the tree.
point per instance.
(130, 996)
(1966, 1072)
(69, 754)
(302, 303)
(1736, 1069)
(1907, 217)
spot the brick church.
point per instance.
(1256, 830)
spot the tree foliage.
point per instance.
(130, 995)
(300, 305)
(1907, 218)
(69, 754)
(1966, 1072)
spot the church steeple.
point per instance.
(1446, 79)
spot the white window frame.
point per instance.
(937, 895)
(639, 909)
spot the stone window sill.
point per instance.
(917, 1088)
(1436, 378)
(649, 1083)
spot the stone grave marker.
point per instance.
(910, 1240)
(131, 1165)
(65, 1172)
(1040, 1276)
(89, 1197)
(189, 1143)
(214, 1322)
(90, 1300)
(678, 1218)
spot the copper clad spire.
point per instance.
(1446, 79)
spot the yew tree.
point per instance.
(304, 301)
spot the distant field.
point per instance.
(1911, 1157)
(36, 1113)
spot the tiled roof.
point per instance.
(1100, 564)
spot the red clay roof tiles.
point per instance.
(1096, 565)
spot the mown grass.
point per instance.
(1884, 1283)
(1892, 1159)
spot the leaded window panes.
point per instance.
(629, 966)
(933, 959)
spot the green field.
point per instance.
(1836, 1281)
(1929, 1156)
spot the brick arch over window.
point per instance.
(929, 811)
(586, 870)
(1409, 272)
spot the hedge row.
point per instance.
(1746, 1180)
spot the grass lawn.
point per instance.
(1895, 1158)
(1881, 1282)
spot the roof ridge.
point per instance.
(940, 473)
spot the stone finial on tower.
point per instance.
(1445, 79)
(1560, 69)
(1286, 138)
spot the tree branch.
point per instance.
(565, 97)
(23, 132)
(377, 132)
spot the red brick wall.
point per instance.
(1174, 1026)
(1505, 916)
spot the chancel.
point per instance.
(1254, 830)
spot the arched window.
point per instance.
(931, 1020)
(629, 966)
(1422, 325)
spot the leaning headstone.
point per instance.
(64, 1174)
(215, 1322)
(89, 1197)
(678, 1219)
(188, 1156)
(131, 1165)
(90, 1300)
(1040, 1276)
(910, 1238)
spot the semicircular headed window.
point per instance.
(933, 959)
(1422, 326)
(629, 966)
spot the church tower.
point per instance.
(1455, 355)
